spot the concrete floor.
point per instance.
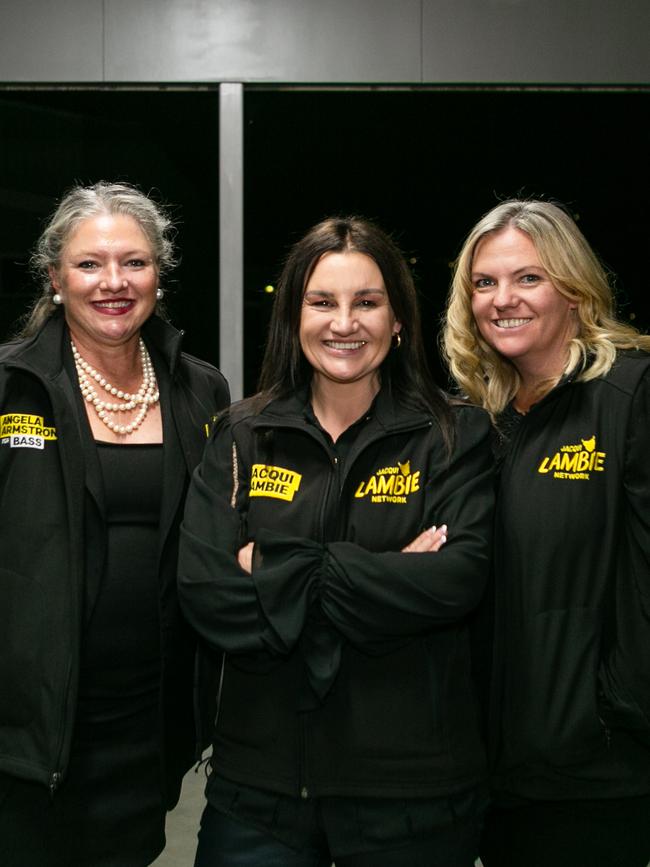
(183, 823)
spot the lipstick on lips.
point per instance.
(113, 306)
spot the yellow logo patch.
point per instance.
(21, 430)
(276, 482)
(576, 461)
(390, 484)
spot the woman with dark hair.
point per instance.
(532, 336)
(346, 721)
(102, 420)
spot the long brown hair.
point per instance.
(404, 370)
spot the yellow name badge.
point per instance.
(15, 426)
(276, 482)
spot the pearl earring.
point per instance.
(56, 298)
(159, 294)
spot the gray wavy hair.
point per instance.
(79, 204)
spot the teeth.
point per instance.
(112, 303)
(511, 323)
(347, 344)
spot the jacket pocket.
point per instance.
(619, 707)
(551, 710)
(253, 707)
(392, 704)
(454, 691)
(21, 635)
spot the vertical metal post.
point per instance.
(231, 235)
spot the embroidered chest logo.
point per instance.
(276, 482)
(575, 462)
(22, 431)
(390, 484)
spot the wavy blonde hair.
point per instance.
(485, 376)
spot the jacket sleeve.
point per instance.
(625, 673)
(637, 494)
(220, 599)
(371, 597)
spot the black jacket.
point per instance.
(346, 663)
(572, 564)
(52, 543)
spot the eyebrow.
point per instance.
(521, 270)
(140, 252)
(359, 292)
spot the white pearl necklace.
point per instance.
(147, 395)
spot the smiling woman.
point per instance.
(112, 420)
(519, 311)
(346, 328)
(532, 336)
(107, 279)
(107, 282)
(347, 725)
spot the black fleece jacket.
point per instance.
(571, 702)
(346, 662)
(52, 543)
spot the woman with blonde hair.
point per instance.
(531, 335)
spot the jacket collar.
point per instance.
(44, 351)
(165, 338)
(386, 412)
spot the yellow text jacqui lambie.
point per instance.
(390, 484)
(575, 462)
(26, 425)
(276, 482)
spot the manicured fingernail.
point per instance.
(443, 528)
(432, 529)
(443, 539)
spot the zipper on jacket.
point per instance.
(57, 776)
(303, 789)
(606, 731)
(333, 476)
(55, 780)
(220, 690)
(198, 751)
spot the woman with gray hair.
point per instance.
(531, 335)
(102, 420)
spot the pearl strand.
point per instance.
(147, 395)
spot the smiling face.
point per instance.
(107, 280)
(517, 309)
(346, 323)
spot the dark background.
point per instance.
(165, 142)
(425, 164)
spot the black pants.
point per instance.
(594, 833)
(226, 842)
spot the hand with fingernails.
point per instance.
(430, 540)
